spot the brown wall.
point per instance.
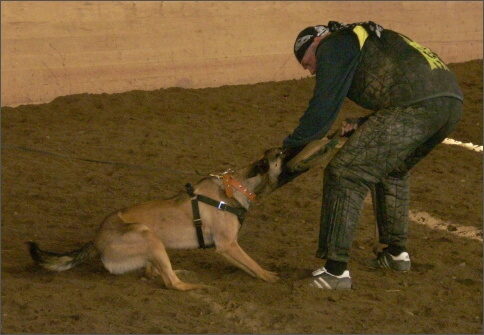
(51, 49)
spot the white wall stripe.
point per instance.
(469, 146)
(428, 220)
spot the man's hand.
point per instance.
(349, 126)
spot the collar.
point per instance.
(231, 184)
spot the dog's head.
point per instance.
(265, 171)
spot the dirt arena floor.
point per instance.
(69, 163)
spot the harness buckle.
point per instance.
(221, 205)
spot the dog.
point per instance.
(210, 213)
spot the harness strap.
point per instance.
(240, 212)
(197, 221)
(220, 205)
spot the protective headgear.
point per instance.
(306, 38)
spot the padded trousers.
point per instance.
(380, 155)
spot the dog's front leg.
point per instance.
(234, 253)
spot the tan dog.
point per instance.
(138, 236)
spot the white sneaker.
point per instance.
(385, 260)
(325, 280)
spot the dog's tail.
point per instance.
(61, 261)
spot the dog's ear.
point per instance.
(259, 167)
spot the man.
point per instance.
(416, 102)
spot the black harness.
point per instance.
(220, 205)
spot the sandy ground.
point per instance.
(69, 163)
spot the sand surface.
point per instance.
(69, 163)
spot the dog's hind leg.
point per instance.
(129, 246)
(160, 263)
(151, 271)
(238, 257)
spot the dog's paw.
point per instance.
(270, 277)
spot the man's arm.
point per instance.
(338, 58)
